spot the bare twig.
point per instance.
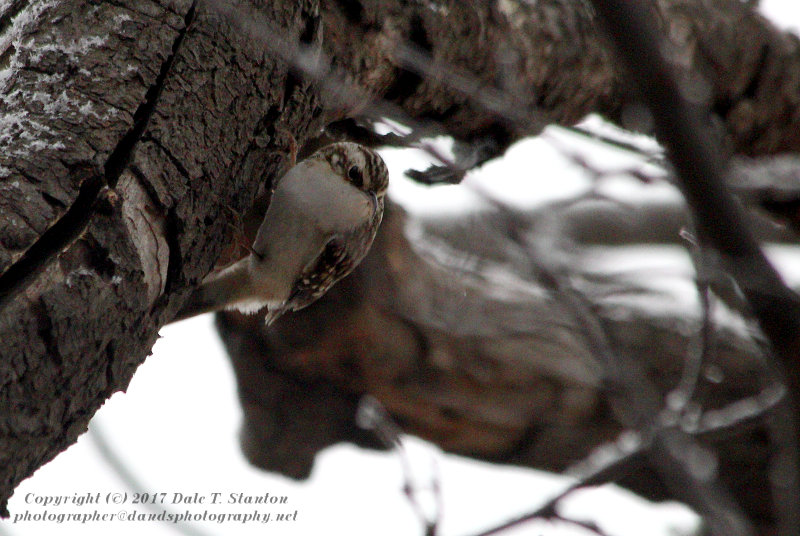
(737, 416)
(107, 452)
(505, 105)
(601, 474)
(371, 415)
(341, 93)
(651, 157)
(680, 397)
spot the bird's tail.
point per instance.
(217, 292)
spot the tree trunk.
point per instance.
(133, 133)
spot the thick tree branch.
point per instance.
(473, 357)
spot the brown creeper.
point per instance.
(320, 223)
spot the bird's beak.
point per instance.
(374, 200)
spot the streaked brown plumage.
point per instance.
(320, 223)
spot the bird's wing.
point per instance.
(333, 263)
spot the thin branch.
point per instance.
(335, 86)
(651, 157)
(586, 525)
(602, 474)
(738, 416)
(679, 398)
(502, 103)
(371, 415)
(111, 457)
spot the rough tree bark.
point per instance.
(135, 131)
(132, 133)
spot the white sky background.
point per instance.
(189, 444)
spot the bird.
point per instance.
(320, 223)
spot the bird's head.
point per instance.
(360, 166)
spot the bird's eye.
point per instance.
(356, 177)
